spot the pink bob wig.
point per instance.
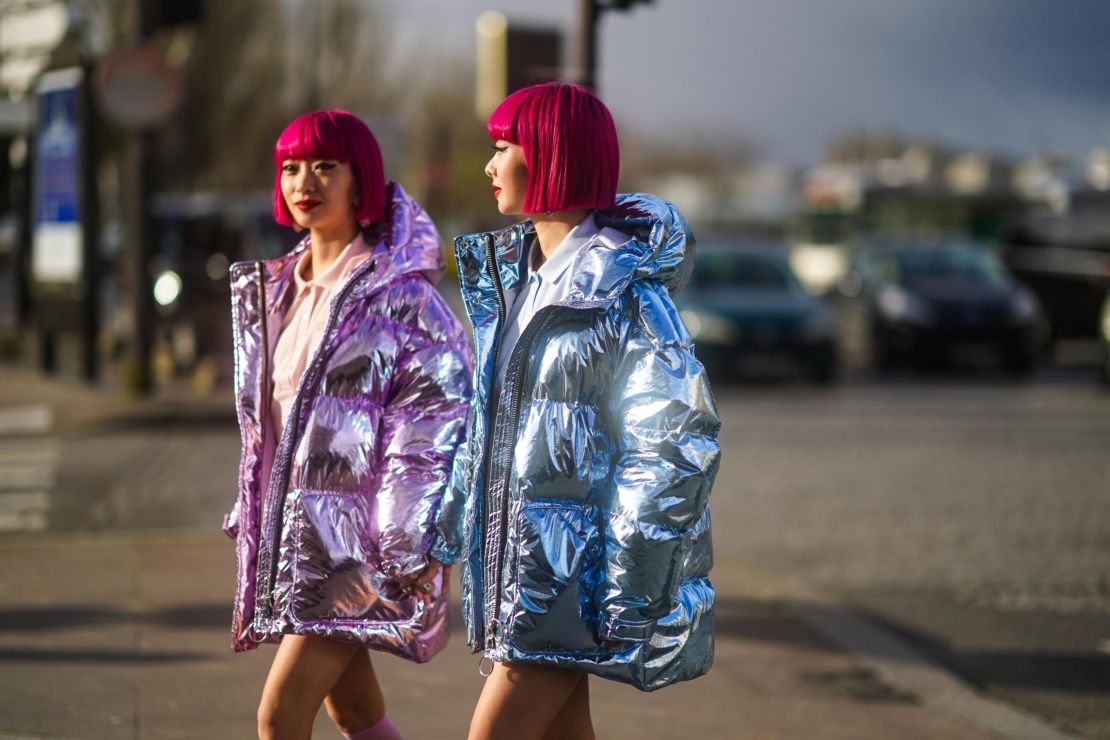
(569, 142)
(338, 135)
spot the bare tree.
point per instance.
(256, 64)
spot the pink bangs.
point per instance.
(334, 134)
(569, 142)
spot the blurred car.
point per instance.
(198, 236)
(1064, 258)
(749, 315)
(930, 304)
(1104, 331)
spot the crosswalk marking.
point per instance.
(36, 455)
(23, 476)
(22, 420)
(28, 466)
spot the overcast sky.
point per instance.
(1016, 76)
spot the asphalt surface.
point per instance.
(969, 513)
(967, 516)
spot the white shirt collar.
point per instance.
(562, 258)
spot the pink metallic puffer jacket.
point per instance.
(330, 515)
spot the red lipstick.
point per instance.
(496, 191)
(306, 205)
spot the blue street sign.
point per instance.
(57, 255)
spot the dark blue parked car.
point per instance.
(1104, 334)
(750, 316)
(930, 304)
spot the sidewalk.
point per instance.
(123, 633)
(125, 636)
(78, 408)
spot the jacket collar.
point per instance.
(335, 273)
(661, 247)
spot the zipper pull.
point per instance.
(493, 636)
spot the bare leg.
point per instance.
(573, 722)
(520, 701)
(356, 702)
(303, 672)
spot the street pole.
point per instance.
(90, 217)
(588, 15)
(138, 162)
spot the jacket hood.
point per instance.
(663, 245)
(408, 244)
(661, 248)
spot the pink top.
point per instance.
(305, 321)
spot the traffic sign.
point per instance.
(136, 88)
(57, 255)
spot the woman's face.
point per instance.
(509, 174)
(320, 193)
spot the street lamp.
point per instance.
(509, 56)
(589, 14)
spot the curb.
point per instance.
(894, 659)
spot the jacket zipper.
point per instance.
(493, 629)
(262, 426)
(490, 628)
(494, 632)
(265, 380)
(265, 600)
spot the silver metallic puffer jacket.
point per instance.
(586, 480)
(350, 497)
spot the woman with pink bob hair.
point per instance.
(352, 385)
(593, 431)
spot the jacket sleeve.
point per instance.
(661, 412)
(424, 422)
(447, 536)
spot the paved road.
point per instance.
(972, 515)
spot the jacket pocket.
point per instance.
(557, 575)
(334, 569)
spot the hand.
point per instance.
(422, 584)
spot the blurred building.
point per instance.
(887, 184)
(1060, 245)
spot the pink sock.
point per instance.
(383, 729)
